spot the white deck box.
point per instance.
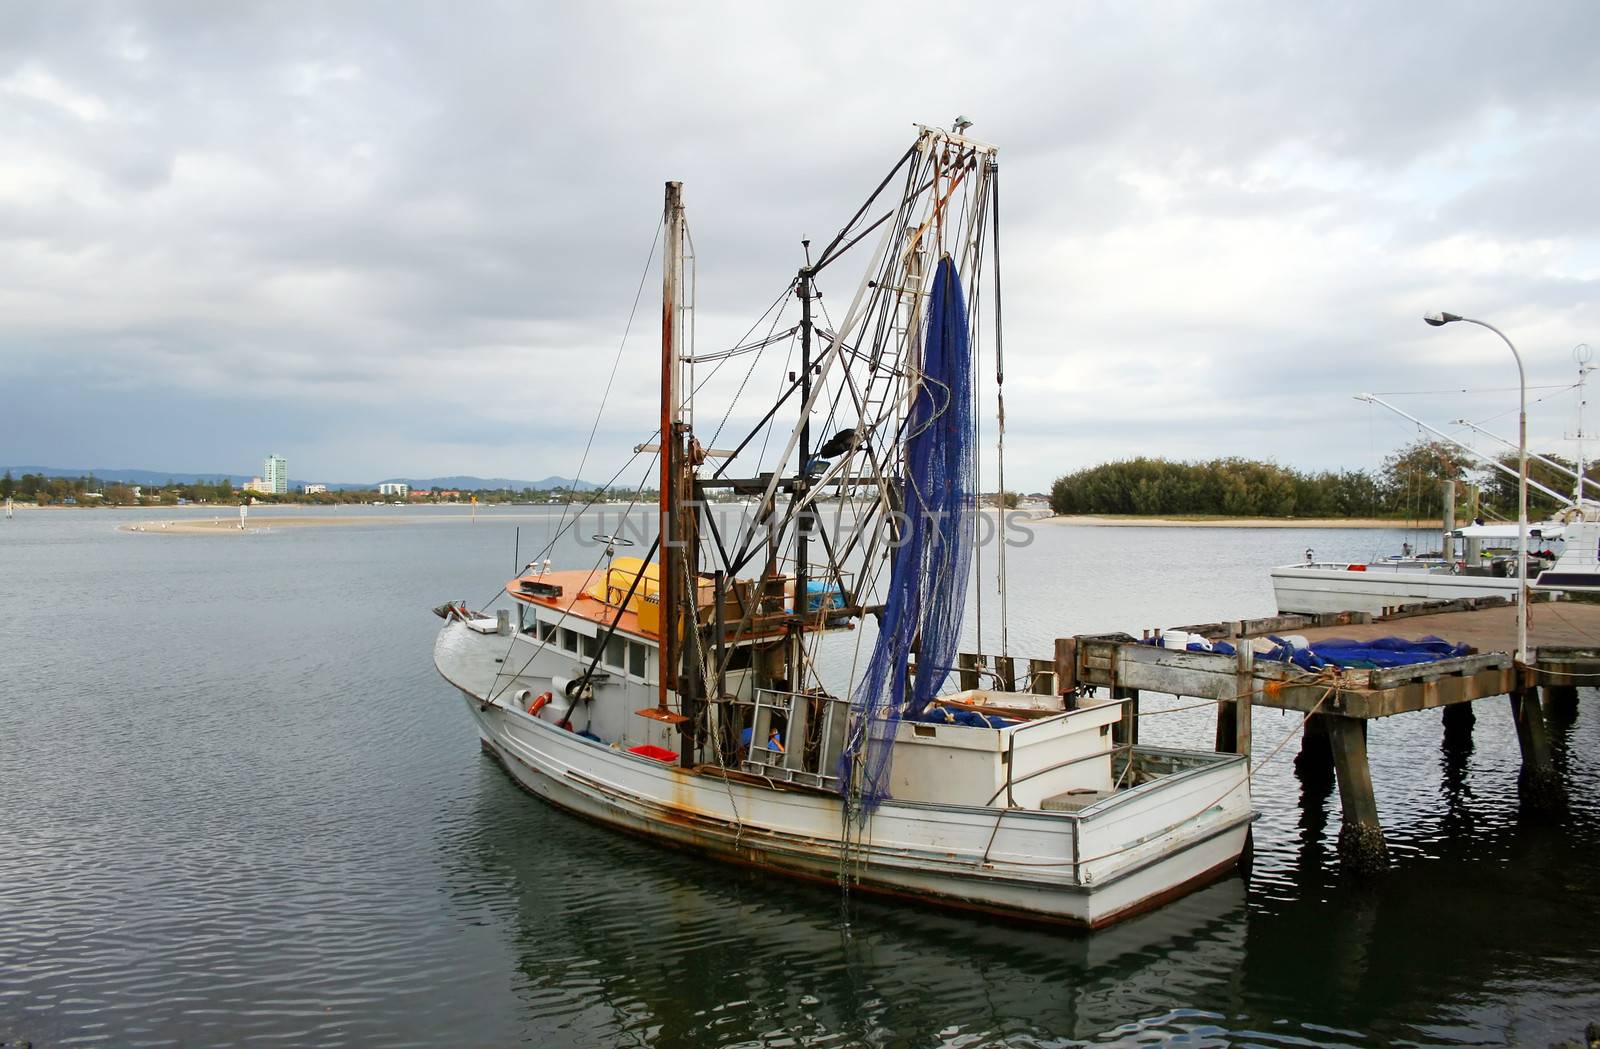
(962, 765)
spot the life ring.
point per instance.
(538, 703)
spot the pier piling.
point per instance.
(1458, 722)
(1361, 844)
(1538, 783)
(1126, 731)
(1560, 704)
(1314, 763)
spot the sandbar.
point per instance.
(231, 525)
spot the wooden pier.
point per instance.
(1564, 650)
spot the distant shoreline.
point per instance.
(1210, 521)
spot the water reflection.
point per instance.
(635, 943)
(313, 852)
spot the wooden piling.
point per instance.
(1227, 726)
(1234, 698)
(1005, 671)
(1538, 783)
(1361, 845)
(967, 670)
(1458, 722)
(1560, 704)
(1314, 763)
(1126, 731)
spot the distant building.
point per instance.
(394, 488)
(449, 493)
(256, 484)
(313, 489)
(276, 473)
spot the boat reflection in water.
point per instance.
(628, 942)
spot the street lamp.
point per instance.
(1439, 320)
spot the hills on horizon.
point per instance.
(465, 482)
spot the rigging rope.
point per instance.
(577, 479)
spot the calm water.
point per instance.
(238, 807)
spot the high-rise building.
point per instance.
(275, 472)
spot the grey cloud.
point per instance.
(341, 216)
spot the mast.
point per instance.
(1583, 355)
(671, 268)
(802, 482)
(993, 167)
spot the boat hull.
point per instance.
(1123, 855)
(1310, 589)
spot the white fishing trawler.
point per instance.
(776, 694)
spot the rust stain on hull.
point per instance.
(754, 858)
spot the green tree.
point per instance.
(8, 487)
(1413, 477)
(1500, 486)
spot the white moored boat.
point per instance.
(715, 698)
(1567, 560)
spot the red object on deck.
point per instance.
(1358, 568)
(661, 754)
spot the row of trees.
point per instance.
(1408, 486)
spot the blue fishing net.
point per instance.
(928, 574)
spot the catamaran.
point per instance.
(779, 694)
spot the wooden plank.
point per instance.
(1394, 677)
(1205, 662)
(1213, 631)
(1342, 618)
(1356, 693)
(1175, 681)
(1274, 625)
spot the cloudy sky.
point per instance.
(405, 239)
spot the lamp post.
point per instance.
(1439, 320)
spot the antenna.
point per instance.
(1582, 354)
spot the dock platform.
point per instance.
(1335, 704)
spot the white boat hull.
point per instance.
(1127, 853)
(1310, 589)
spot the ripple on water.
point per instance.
(253, 815)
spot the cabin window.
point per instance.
(547, 630)
(636, 659)
(739, 658)
(569, 639)
(591, 645)
(614, 655)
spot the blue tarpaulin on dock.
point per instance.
(1345, 653)
(1375, 652)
